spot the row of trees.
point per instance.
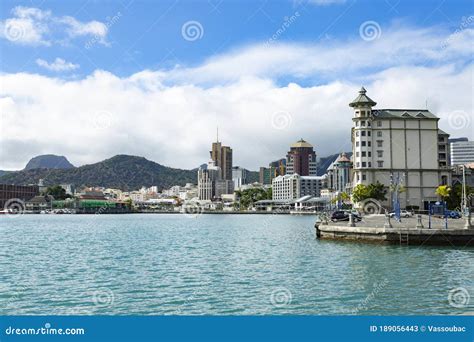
(248, 197)
(451, 195)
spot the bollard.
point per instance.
(468, 224)
(419, 223)
(351, 220)
(387, 224)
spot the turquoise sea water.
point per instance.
(220, 265)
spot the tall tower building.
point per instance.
(301, 159)
(389, 144)
(222, 157)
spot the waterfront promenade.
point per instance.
(409, 231)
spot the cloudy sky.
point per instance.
(90, 79)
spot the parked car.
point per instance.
(343, 216)
(403, 213)
(454, 214)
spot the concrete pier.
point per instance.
(410, 231)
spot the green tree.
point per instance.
(375, 191)
(57, 191)
(443, 191)
(249, 196)
(455, 196)
(343, 197)
(360, 193)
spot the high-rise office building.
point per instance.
(462, 152)
(222, 157)
(301, 159)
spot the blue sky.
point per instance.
(147, 34)
(249, 62)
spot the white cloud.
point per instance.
(173, 122)
(92, 28)
(334, 59)
(58, 64)
(33, 26)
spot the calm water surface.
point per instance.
(216, 264)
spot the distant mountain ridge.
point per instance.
(121, 171)
(48, 161)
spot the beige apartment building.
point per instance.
(405, 144)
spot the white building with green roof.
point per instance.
(398, 143)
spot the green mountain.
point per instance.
(48, 161)
(122, 171)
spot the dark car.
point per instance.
(343, 216)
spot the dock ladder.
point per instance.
(404, 240)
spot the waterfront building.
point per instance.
(207, 178)
(339, 174)
(401, 144)
(10, 194)
(239, 176)
(274, 169)
(443, 149)
(294, 186)
(462, 152)
(266, 175)
(301, 159)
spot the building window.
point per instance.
(363, 133)
(379, 133)
(357, 154)
(364, 164)
(380, 154)
(444, 180)
(380, 163)
(363, 143)
(369, 143)
(379, 143)
(368, 124)
(379, 123)
(362, 123)
(362, 112)
(363, 153)
(357, 144)
(364, 177)
(369, 154)
(368, 133)
(358, 164)
(357, 123)
(357, 133)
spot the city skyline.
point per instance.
(164, 101)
